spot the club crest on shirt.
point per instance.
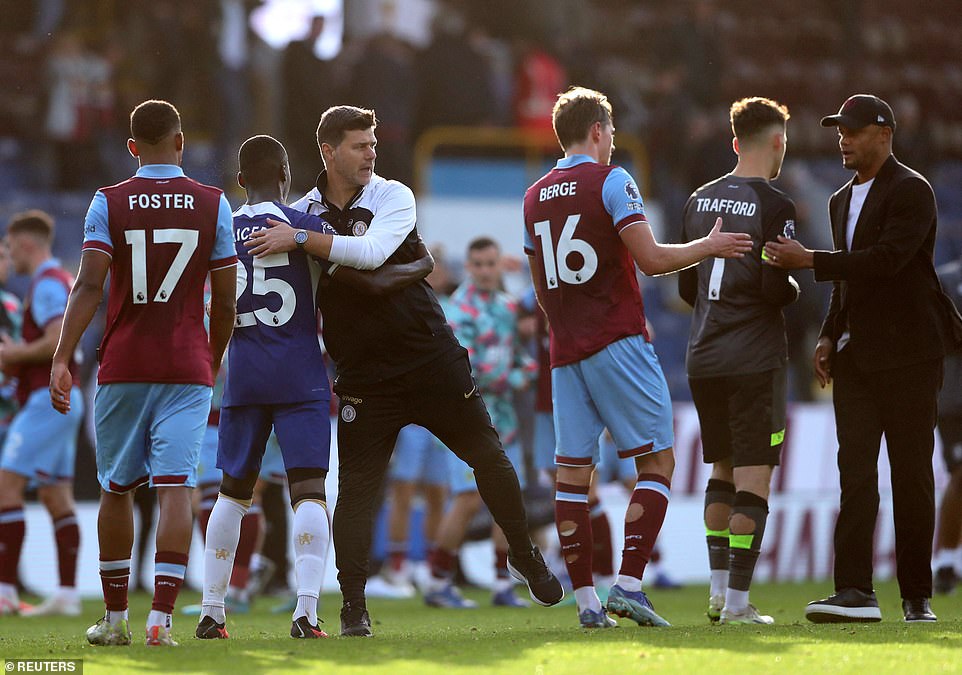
(631, 190)
(348, 413)
(359, 228)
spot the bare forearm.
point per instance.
(668, 258)
(221, 328)
(81, 307)
(38, 351)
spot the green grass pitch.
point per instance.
(412, 638)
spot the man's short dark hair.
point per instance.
(481, 243)
(260, 159)
(336, 121)
(575, 111)
(751, 116)
(153, 121)
(33, 222)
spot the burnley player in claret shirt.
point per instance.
(585, 229)
(159, 234)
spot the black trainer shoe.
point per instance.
(918, 611)
(208, 629)
(945, 580)
(530, 568)
(355, 621)
(302, 629)
(848, 605)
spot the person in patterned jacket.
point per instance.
(485, 321)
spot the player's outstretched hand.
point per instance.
(60, 385)
(728, 244)
(278, 237)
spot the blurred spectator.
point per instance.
(455, 77)
(539, 78)
(914, 144)
(384, 78)
(233, 85)
(309, 90)
(79, 108)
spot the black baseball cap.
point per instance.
(860, 111)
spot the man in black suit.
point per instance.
(888, 327)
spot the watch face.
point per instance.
(300, 237)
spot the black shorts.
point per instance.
(742, 417)
(950, 431)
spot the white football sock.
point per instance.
(311, 532)
(587, 598)
(736, 601)
(719, 582)
(627, 583)
(116, 616)
(162, 619)
(223, 533)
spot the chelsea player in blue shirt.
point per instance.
(277, 378)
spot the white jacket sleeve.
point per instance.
(395, 215)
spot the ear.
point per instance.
(596, 131)
(240, 179)
(132, 148)
(179, 141)
(327, 151)
(778, 140)
(735, 145)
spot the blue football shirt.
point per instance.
(274, 356)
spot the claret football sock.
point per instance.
(169, 570)
(442, 563)
(502, 577)
(643, 521)
(602, 557)
(208, 497)
(114, 577)
(12, 529)
(67, 535)
(574, 532)
(250, 528)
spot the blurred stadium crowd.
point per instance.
(71, 69)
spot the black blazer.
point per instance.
(885, 289)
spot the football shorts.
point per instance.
(149, 432)
(41, 444)
(303, 432)
(419, 457)
(621, 388)
(742, 417)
